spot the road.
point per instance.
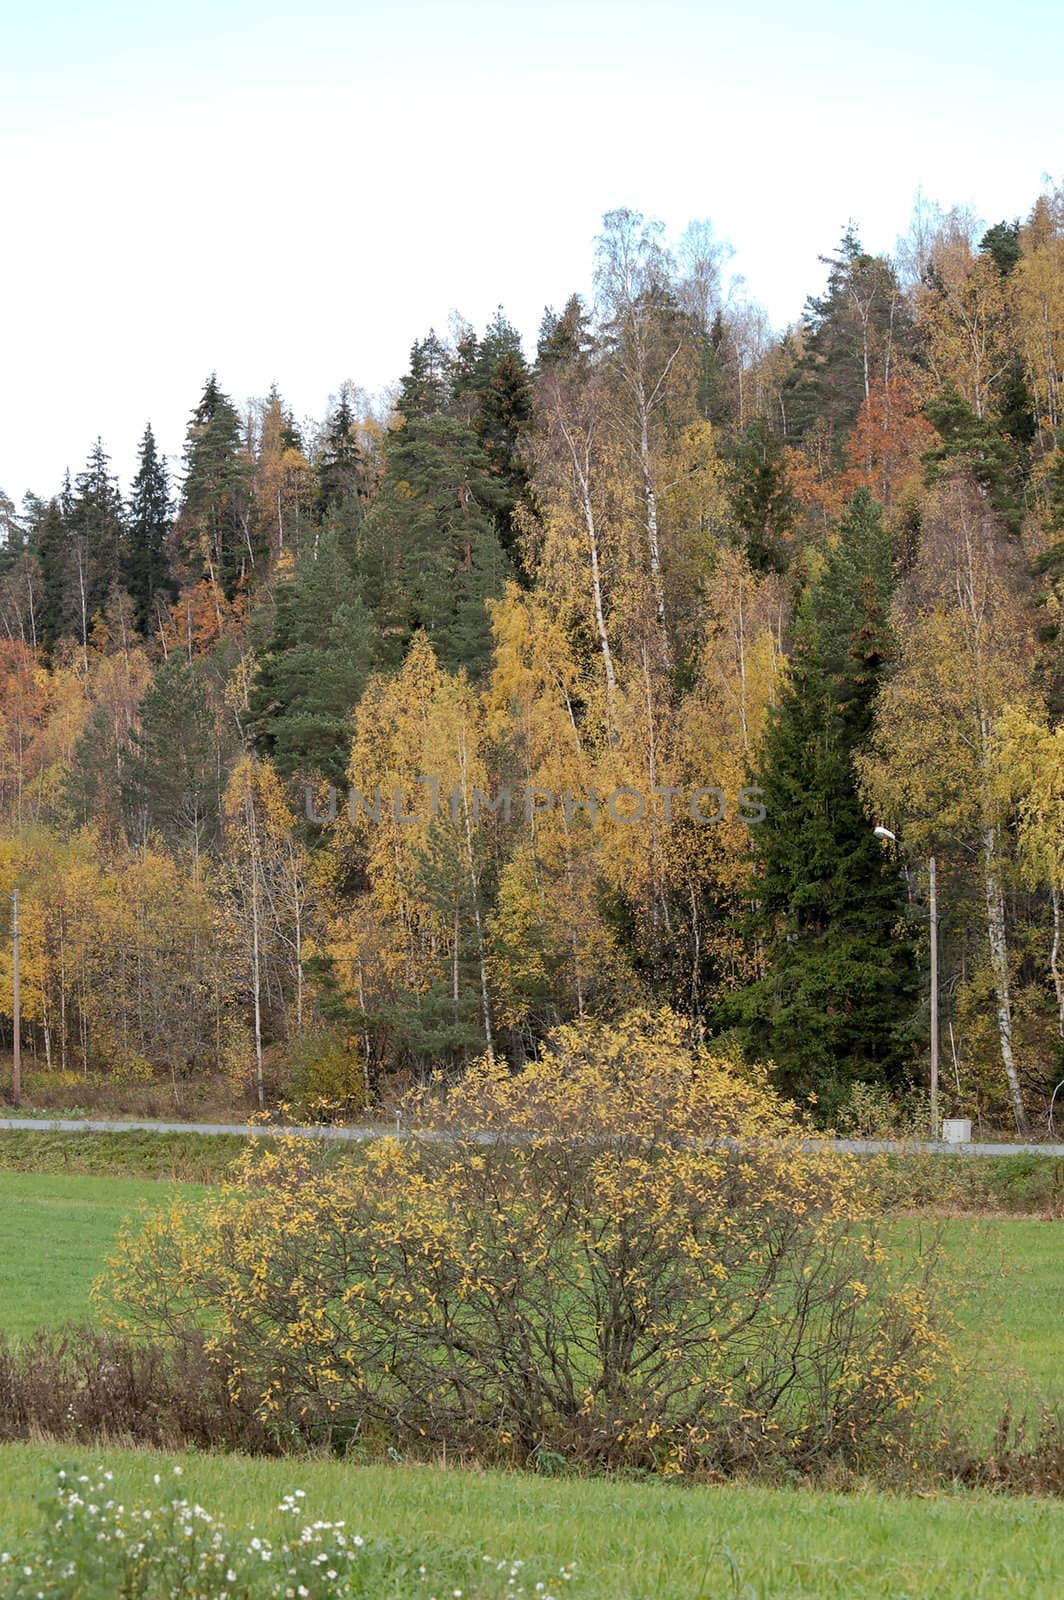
(360, 1135)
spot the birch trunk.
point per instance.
(650, 499)
(256, 967)
(474, 879)
(1054, 959)
(999, 961)
(581, 463)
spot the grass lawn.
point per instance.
(57, 1229)
(628, 1540)
(55, 1233)
(1010, 1275)
(1013, 1322)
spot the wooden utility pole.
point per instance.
(934, 998)
(16, 1008)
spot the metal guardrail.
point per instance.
(361, 1134)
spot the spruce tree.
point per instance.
(432, 558)
(501, 387)
(170, 784)
(564, 336)
(315, 667)
(761, 499)
(837, 997)
(428, 386)
(149, 520)
(96, 539)
(341, 469)
(56, 616)
(214, 522)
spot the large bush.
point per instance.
(621, 1254)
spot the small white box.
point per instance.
(957, 1130)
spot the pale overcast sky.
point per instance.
(294, 194)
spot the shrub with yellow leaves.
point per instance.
(621, 1253)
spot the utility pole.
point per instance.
(885, 833)
(16, 1008)
(934, 997)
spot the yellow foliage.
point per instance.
(622, 1252)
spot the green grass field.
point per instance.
(56, 1231)
(628, 1540)
(55, 1234)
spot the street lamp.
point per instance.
(885, 833)
(16, 1011)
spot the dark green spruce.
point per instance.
(835, 1004)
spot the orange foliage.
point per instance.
(881, 453)
(199, 617)
(888, 439)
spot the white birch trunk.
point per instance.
(1054, 959)
(256, 967)
(999, 961)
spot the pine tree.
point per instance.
(979, 446)
(315, 667)
(149, 520)
(1002, 242)
(834, 1003)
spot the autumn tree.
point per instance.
(962, 312)
(264, 879)
(645, 339)
(281, 482)
(554, 953)
(854, 335)
(964, 636)
(1028, 764)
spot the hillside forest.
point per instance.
(563, 683)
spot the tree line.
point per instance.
(673, 551)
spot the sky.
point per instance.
(293, 194)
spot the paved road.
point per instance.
(379, 1131)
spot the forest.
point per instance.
(672, 552)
